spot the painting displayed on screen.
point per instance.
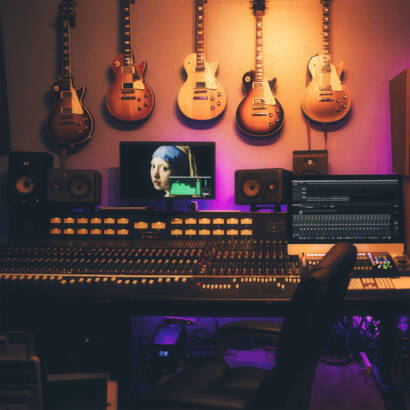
(167, 170)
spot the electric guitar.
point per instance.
(201, 97)
(130, 98)
(326, 99)
(69, 121)
(259, 114)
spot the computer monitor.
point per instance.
(159, 169)
(357, 208)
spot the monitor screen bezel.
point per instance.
(353, 177)
(124, 144)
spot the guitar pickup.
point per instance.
(127, 85)
(262, 107)
(128, 98)
(66, 94)
(200, 84)
(258, 101)
(326, 93)
(67, 110)
(128, 70)
(127, 91)
(200, 98)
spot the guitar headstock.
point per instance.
(258, 7)
(67, 11)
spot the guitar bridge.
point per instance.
(325, 99)
(200, 98)
(259, 114)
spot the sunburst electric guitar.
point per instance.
(259, 114)
(325, 100)
(69, 121)
(201, 97)
(130, 98)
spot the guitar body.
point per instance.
(69, 121)
(259, 114)
(130, 98)
(325, 104)
(201, 97)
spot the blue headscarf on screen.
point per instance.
(179, 158)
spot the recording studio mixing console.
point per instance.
(153, 256)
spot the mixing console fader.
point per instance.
(165, 256)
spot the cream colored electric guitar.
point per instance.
(326, 99)
(201, 97)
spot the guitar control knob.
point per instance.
(218, 103)
(218, 94)
(212, 98)
(277, 119)
(270, 124)
(138, 99)
(277, 110)
(145, 104)
(212, 107)
(270, 115)
(344, 105)
(338, 100)
(139, 108)
(344, 97)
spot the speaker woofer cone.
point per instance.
(25, 185)
(78, 187)
(251, 187)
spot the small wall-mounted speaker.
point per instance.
(310, 162)
(262, 186)
(400, 122)
(74, 186)
(27, 178)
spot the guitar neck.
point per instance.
(65, 71)
(259, 49)
(200, 35)
(125, 42)
(326, 36)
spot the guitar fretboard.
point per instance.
(326, 35)
(259, 50)
(200, 35)
(66, 66)
(125, 45)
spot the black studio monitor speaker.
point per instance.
(310, 162)
(262, 186)
(27, 178)
(74, 186)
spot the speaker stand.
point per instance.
(273, 207)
